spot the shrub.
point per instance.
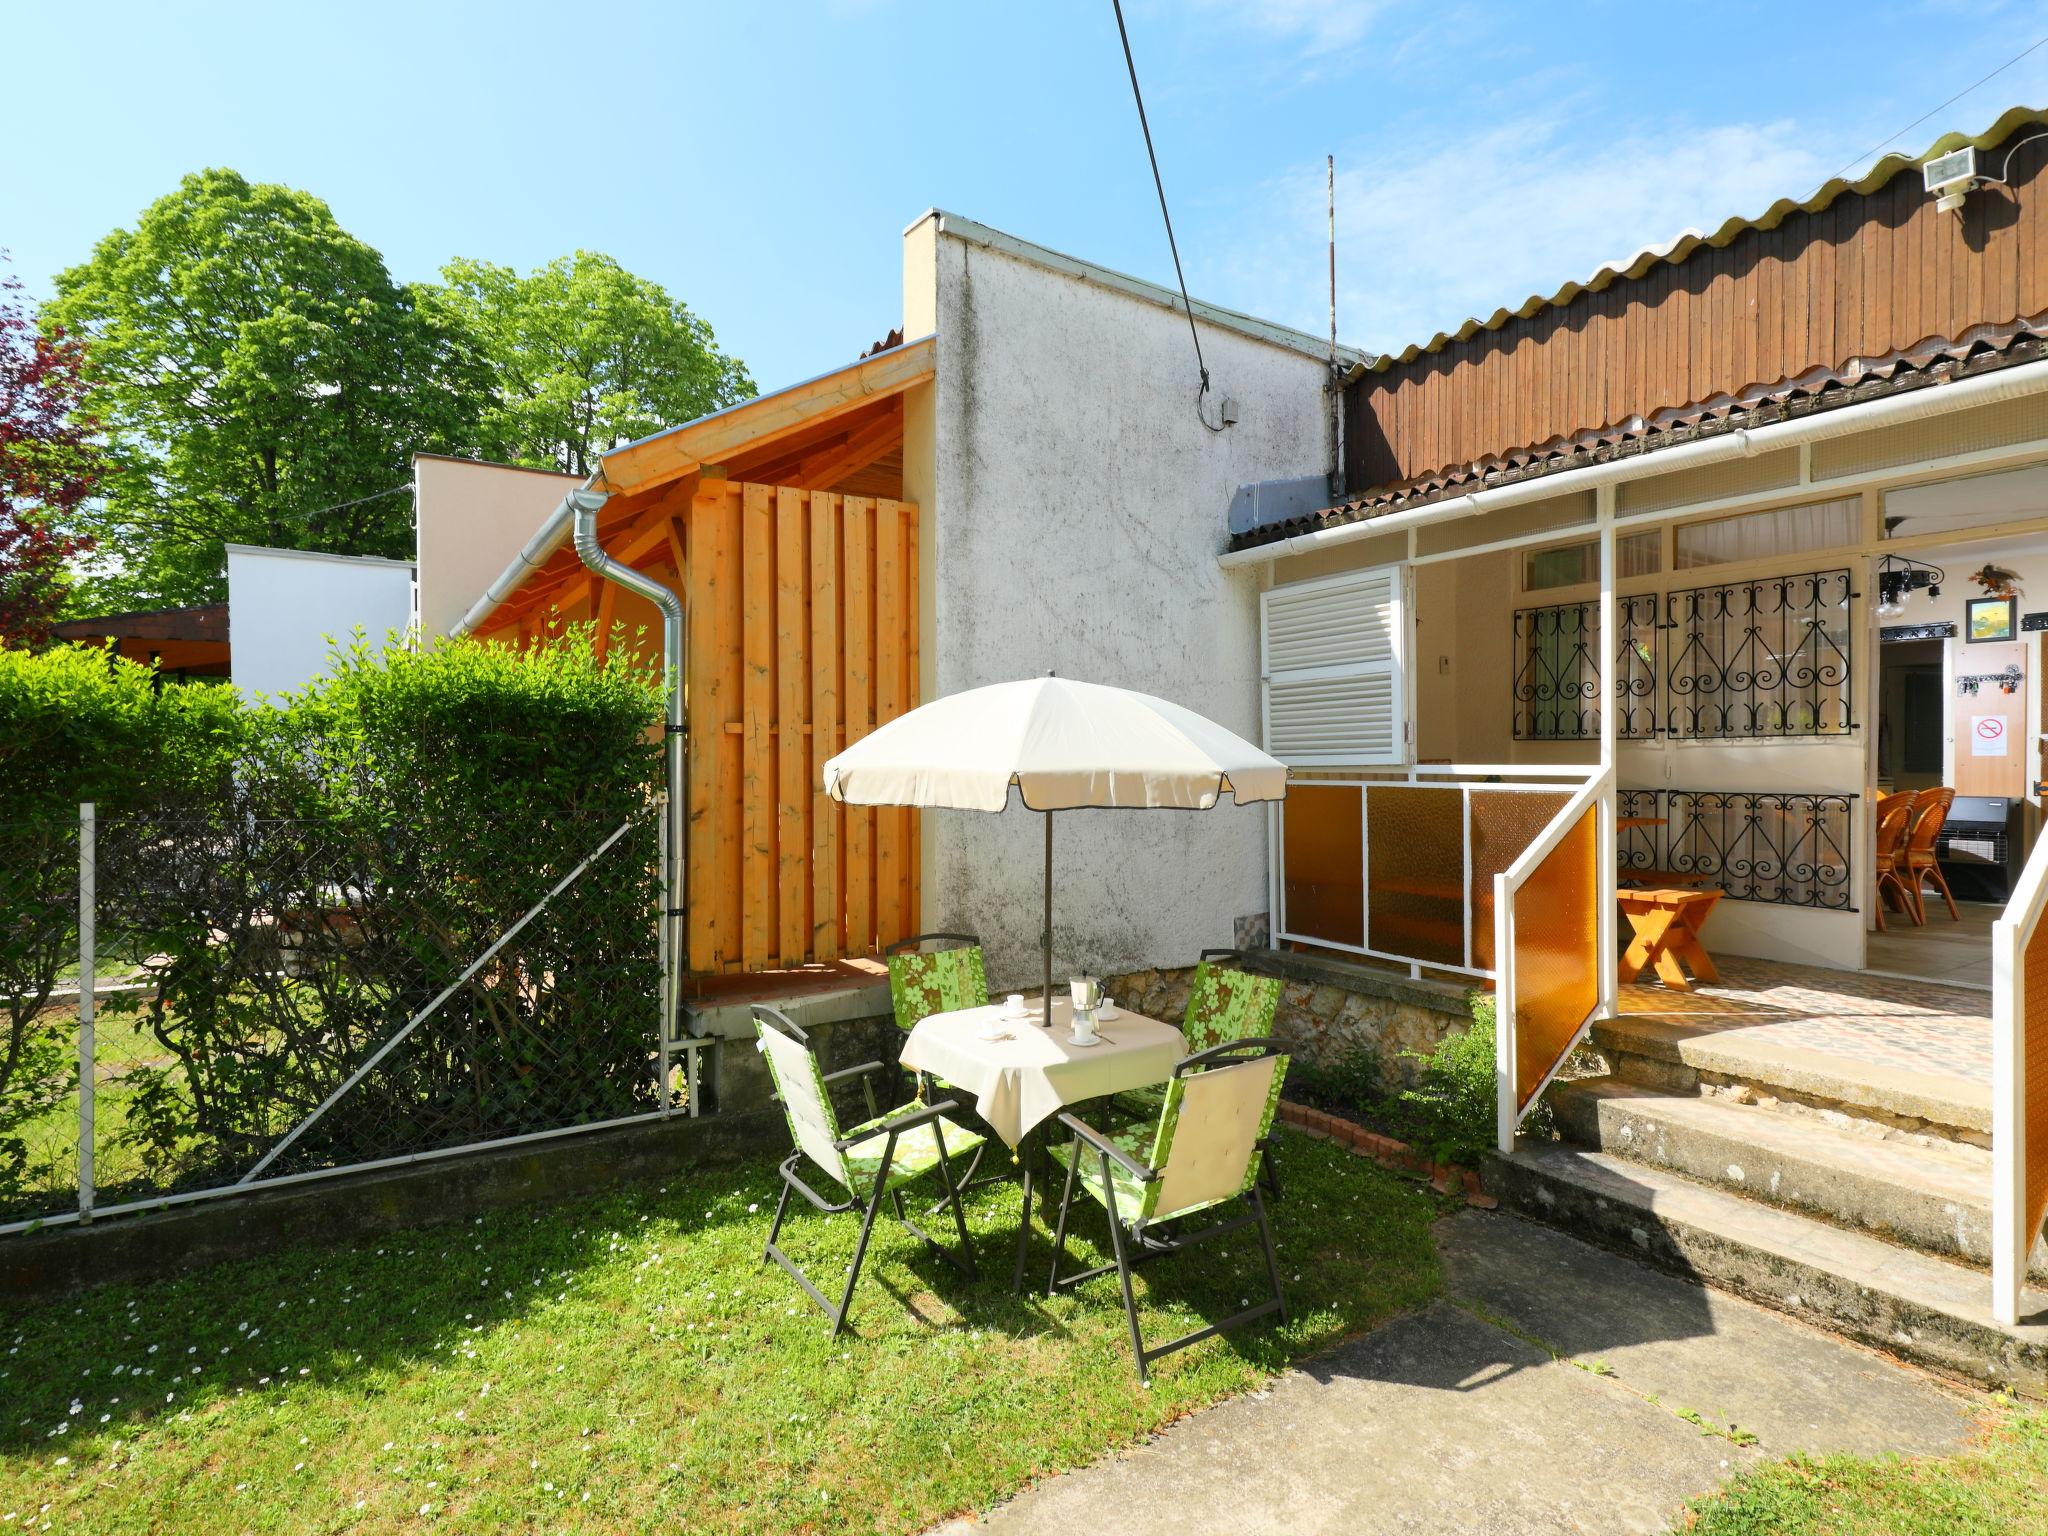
(1450, 1110)
(387, 825)
(1348, 1084)
(294, 879)
(77, 725)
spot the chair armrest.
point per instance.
(901, 1124)
(1203, 1058)
(1103, 1144)
(845, 1072)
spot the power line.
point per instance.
(343, 506)
(1186, 303)
(1959, 95)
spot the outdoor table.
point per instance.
(1032, 1073)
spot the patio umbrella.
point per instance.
(1065, 746)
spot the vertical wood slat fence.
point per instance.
(802, 639)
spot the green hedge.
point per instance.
(293, 878)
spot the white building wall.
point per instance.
(471, 519)
(288, 608)
(1073, 507)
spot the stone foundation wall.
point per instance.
(1326, 1008)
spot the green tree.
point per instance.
(585, 355)
(261, 379)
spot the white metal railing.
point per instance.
(1453, 881)
(2019, 1055)
(1597, 795)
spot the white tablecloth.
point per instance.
(1034, 1072)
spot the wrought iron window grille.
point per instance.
(1784, 849)
(1557, 671)
(1764, 659)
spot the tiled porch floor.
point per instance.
(1876, 1021)
(1944, 949)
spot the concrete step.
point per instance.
(1928, 1194)
(1710, 1058)
(1911, 1304)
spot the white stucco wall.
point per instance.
(287, 608)
(471, 519)
(1073, 506)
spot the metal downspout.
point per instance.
(583, 507)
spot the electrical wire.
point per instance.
(1187, 304)
(343, 506)
(1959, 95)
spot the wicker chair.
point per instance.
(1891, 838)
(1915, 861)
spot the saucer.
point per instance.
(1084, 1044)
(1106, 1013)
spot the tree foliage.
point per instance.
(48, 466)
(261, 379)
(585, 355)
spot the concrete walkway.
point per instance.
(1557, 1387)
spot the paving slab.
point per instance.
(1794, 1387)
(1460, 1418)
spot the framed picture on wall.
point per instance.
(1990, 618)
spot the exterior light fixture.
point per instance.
(1950, 177)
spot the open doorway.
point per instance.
(1957, 709)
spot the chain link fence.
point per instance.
(279, 998)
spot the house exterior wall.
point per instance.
(1070, 502)
(1863, 277)
(471, 520)
(288, 608)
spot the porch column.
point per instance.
(1608, 954)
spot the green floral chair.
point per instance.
(870, 1162)
(927, 981)
(1225, 1004)
(1202, 1152)
(923, 982)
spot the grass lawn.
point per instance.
(624, 1364)
(1998, 1489)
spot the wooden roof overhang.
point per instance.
(842, 431)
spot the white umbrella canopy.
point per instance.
(1066, 745)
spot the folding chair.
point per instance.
(1224, 1004)
(874, 1159)
(1203, 1152)
(925, 981)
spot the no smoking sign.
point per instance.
(1987, 736)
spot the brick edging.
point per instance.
(1444, 1178)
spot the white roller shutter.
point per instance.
(1331, 659)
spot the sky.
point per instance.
(761, 160)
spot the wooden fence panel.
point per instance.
(803, 638)
(792, 757)
(858, 692)
(827, 894)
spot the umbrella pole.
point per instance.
(1045, 933)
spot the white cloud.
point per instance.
(1319, 26)
(1478, 222)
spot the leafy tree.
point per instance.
(48, 466)
(262, 379)
(585, 355)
